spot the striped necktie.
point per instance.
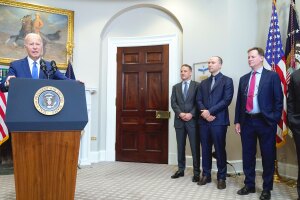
(185, 90)
(249, 104)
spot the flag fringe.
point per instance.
(4, 139)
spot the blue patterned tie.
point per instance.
(212, 82)
(185, 90)
(34, 71)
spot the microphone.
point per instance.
(43, 67)
(53, 66)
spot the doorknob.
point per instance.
(162, 114)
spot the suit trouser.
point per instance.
(296, 136)
(213, 135)
(181, 134)
(251, 130)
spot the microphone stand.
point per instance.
(228, 175)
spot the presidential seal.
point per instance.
(49, 100)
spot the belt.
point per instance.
(254, 116)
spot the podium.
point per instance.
(45, 118)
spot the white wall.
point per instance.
(226, 28)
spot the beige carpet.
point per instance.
(135, 181)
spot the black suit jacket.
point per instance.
(180, 105)
(217, 100)
(270, 97)
(293, 101)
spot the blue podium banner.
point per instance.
(46, 105)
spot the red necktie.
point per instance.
(249, 105)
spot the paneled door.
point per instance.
(142, 101)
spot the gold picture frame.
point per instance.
(55, 25)
(200, 71)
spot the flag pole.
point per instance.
(276, 177)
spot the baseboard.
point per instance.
(284, 169)
(97, 156)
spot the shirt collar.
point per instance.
(216, 76)
(259, 70)
(30, 61)
(188, 81)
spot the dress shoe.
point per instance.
(221, 184)
(265, 195)
(195, 179)
(245, 190)
(178, 174)
(204, 180)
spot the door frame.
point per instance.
(174, 63)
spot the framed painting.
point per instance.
(200, 71)
(55, 26)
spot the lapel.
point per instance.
(245, 84)
(262, 80)
(179, 91)
(217, 82)
(190, 90)
(27, 71)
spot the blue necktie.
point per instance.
(212, 82)
(185, 90)
(34, 71)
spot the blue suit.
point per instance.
(20, 69)
(216, 101)
(261, 126)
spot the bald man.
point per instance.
(213, 98)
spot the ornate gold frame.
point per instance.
(58, 11)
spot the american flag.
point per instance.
(292, 48)
(275, 60)
(70, 72)
(3, 129)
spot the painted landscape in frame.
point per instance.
(55, 26)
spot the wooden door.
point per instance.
(142, 89)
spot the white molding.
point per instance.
(97, 156)
(114, 42)
(85, 140)
(284, 169)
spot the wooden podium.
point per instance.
(45, 146)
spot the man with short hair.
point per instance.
(213, 98)
(258, 110)
(183, 102)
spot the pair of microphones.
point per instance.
(47, 72)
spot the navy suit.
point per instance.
(216, 101)
(20, 69)
(262, 126)
(293, 112)
(183, 128)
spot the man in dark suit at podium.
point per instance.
(183, 102)
(30, 66)
(293, 112)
